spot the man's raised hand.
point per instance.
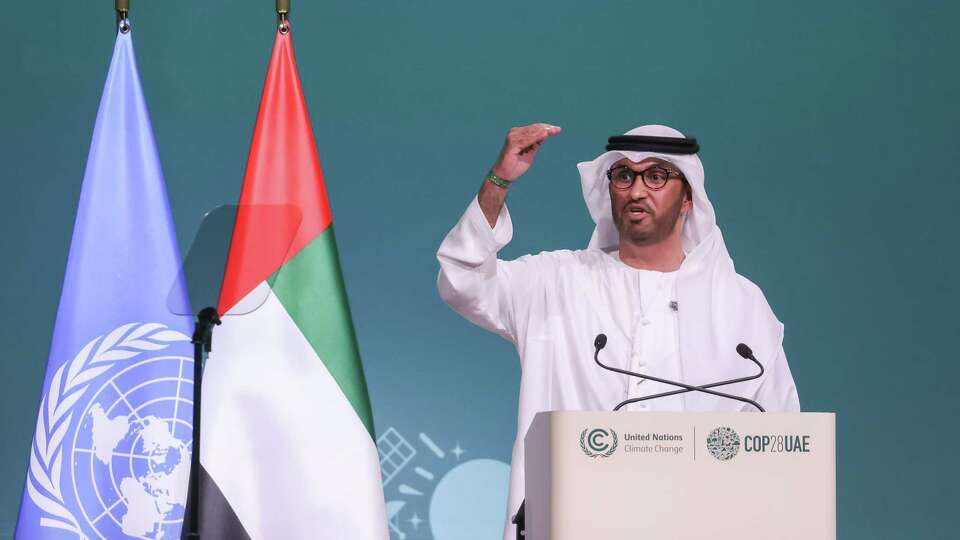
(520, 149)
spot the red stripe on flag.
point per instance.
(283, 203)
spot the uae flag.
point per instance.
(287, 440)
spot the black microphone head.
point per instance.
(600, 342)
(744, 351)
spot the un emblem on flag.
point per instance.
(128, 460)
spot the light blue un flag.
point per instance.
(111, 453)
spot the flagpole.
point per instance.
(122, 8)
(283, 11)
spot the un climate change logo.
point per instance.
(598, 442)
(723, 443)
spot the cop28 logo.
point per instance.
(598, 442)
(723, 443)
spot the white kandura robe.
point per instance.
(552, 305)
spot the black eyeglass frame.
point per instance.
(671, 173)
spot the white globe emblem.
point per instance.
(131, 451)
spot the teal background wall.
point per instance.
(829, 143)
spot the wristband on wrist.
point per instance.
(496, 180)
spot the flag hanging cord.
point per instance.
(123, 9)
(283, 10)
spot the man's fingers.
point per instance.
(545, 133)
(533, 131)
(522, 139)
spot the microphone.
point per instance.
(741, 348)
(601, 341)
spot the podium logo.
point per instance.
(723, 443)
(598, 442)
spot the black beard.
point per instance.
(664, 223)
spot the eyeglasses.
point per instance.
(654, 178)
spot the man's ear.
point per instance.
(687, 204)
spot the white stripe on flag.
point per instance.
(281, 440)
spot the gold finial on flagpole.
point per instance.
(123, 9)
(283, 10)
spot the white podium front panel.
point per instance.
(677, 476)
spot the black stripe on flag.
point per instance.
(217, 519)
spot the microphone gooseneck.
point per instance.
(600, 343)
(711, 385)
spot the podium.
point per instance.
(680, 475)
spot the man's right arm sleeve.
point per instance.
(472, 281)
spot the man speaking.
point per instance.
(656, 278)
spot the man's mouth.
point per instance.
(636, 212)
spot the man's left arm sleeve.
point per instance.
(777, 392)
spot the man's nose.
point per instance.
(638, 190)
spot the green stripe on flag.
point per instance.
(310, 287)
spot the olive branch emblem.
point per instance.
(68, 385)
(587, 446)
